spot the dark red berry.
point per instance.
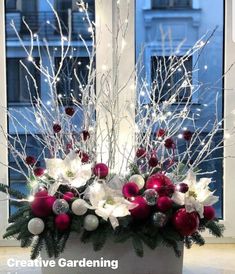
(38, 171)
(85, 157)
(85, 135)
(140, 153)
(169, 143)
(153, 161)
(183, 187)
(57, 128)
(30, 160)
(161, 133)
(70, 111)
(187, 135)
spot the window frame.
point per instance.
(107, 8)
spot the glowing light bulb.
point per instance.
(31, 198)
(30, 58)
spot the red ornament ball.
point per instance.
(161, 133)
(140, 153)
(142, 210)
(186, 223)
(130, 189)
(153, 161)
(101, 170)
(62, 222)
(85, 135)
(68, 196)
(38, 171)
(164, 203)
(161, 183)
(209, 213)
(169, 143)
(182, 187)
(187, 135)
(57, 128)
(70, 111)
(42, 204)
(30, 160)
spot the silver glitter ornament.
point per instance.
(159, 219)
(151, 196)
(60, 206)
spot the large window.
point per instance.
(166, 4)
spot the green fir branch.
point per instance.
(12, 192)
(138, 245)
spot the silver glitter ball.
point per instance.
(159, 219)
(151, 196)
(60, 206)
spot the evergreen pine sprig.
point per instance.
(12, 192)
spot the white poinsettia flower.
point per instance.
(108, 203)
(68, 171)
(198, 195)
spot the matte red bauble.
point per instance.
(62, 222)
(42, 204)
(164, 203)
(70, 111)
(101, 170)
(38, 171)
(161, 183)
(130, 189)
(140, 153)
(209, 213)
(30, 160)
(57, 128)
(153, 162)
(186, 223)
(142, 211)
(68, 196)
(187, 135)
(169, 143)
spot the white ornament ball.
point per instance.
(138, 179)
(60, 206)
(91, 222)
(36, 226)
(79, 207)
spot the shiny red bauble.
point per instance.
(30, 160)
(68, 196)
(164, 203)
(140, 153)
(142, 210)
(101, 170)
(62, 222)
(57, 128)
(70, 111)
(186, 223)
(42, 204)
(161, 183)
(209, 213)
(130, 189)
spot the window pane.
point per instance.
(167, 31)
(24, 80)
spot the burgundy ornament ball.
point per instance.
(62, 222)
(85, 135)
(169, 143)
(130, 189)
(164, 203)
(68, 196)
(182, 187)
(30, 160)
(38, 171)
(209, 213)
(57, 128)
(101, 170)
(140, 153)
(187, 135)
(42, 204)
(161, 183)
(153, 161)
(70, 111)
(142, 210)
(186, 223)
